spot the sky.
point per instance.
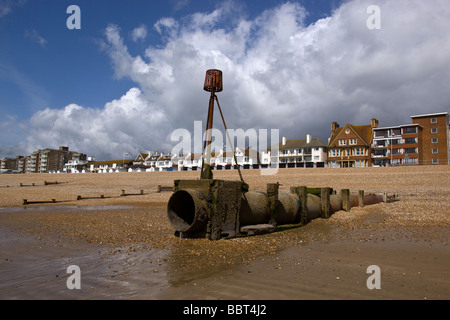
(134, 72)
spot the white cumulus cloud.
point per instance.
(123, 125)
(139, 33)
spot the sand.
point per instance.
(126, 249)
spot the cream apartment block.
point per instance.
(298, 153)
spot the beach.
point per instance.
(126, 248)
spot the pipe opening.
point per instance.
(181, 210)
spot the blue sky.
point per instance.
(46, 65)
(103, 89)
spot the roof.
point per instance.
(195, 156)
(300, 143)
(142, 156)
(364, 132)
(400, 126)
(111, 161)
(430, 114)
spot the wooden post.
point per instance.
(302, 198)
(325, 202)
(361, 198)
(272, 196)
(345, 195)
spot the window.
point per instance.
(352, 142)
(381, 133)
(360, 163)
(433, 130)
(410, 150)
(409, 130)
(410, 140)
(380, 143)
(348, 152)
(435, 151)
(285, 152)
(343, 142)
(433, 120)
(435, 161)
(434, 140)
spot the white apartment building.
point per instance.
(299, 153)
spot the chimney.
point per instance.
(283, 142)
(334, 126)
(308, 138)
(374, 123)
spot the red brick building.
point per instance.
(350, 146)
(435, 142)
(397, 145)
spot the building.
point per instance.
(350, 146)
(299, 153)
(32, 162)
(53, 160)
(435, 144)
(110, 165)
(21, 163)
(222, 160)
(77, 164)
(49, 160)
(397, 145)
(7, 165)
(192, 161)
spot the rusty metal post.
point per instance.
(213, 84)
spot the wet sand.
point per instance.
(125, 246)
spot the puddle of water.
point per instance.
(31, 269)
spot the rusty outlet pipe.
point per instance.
(190, 210)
